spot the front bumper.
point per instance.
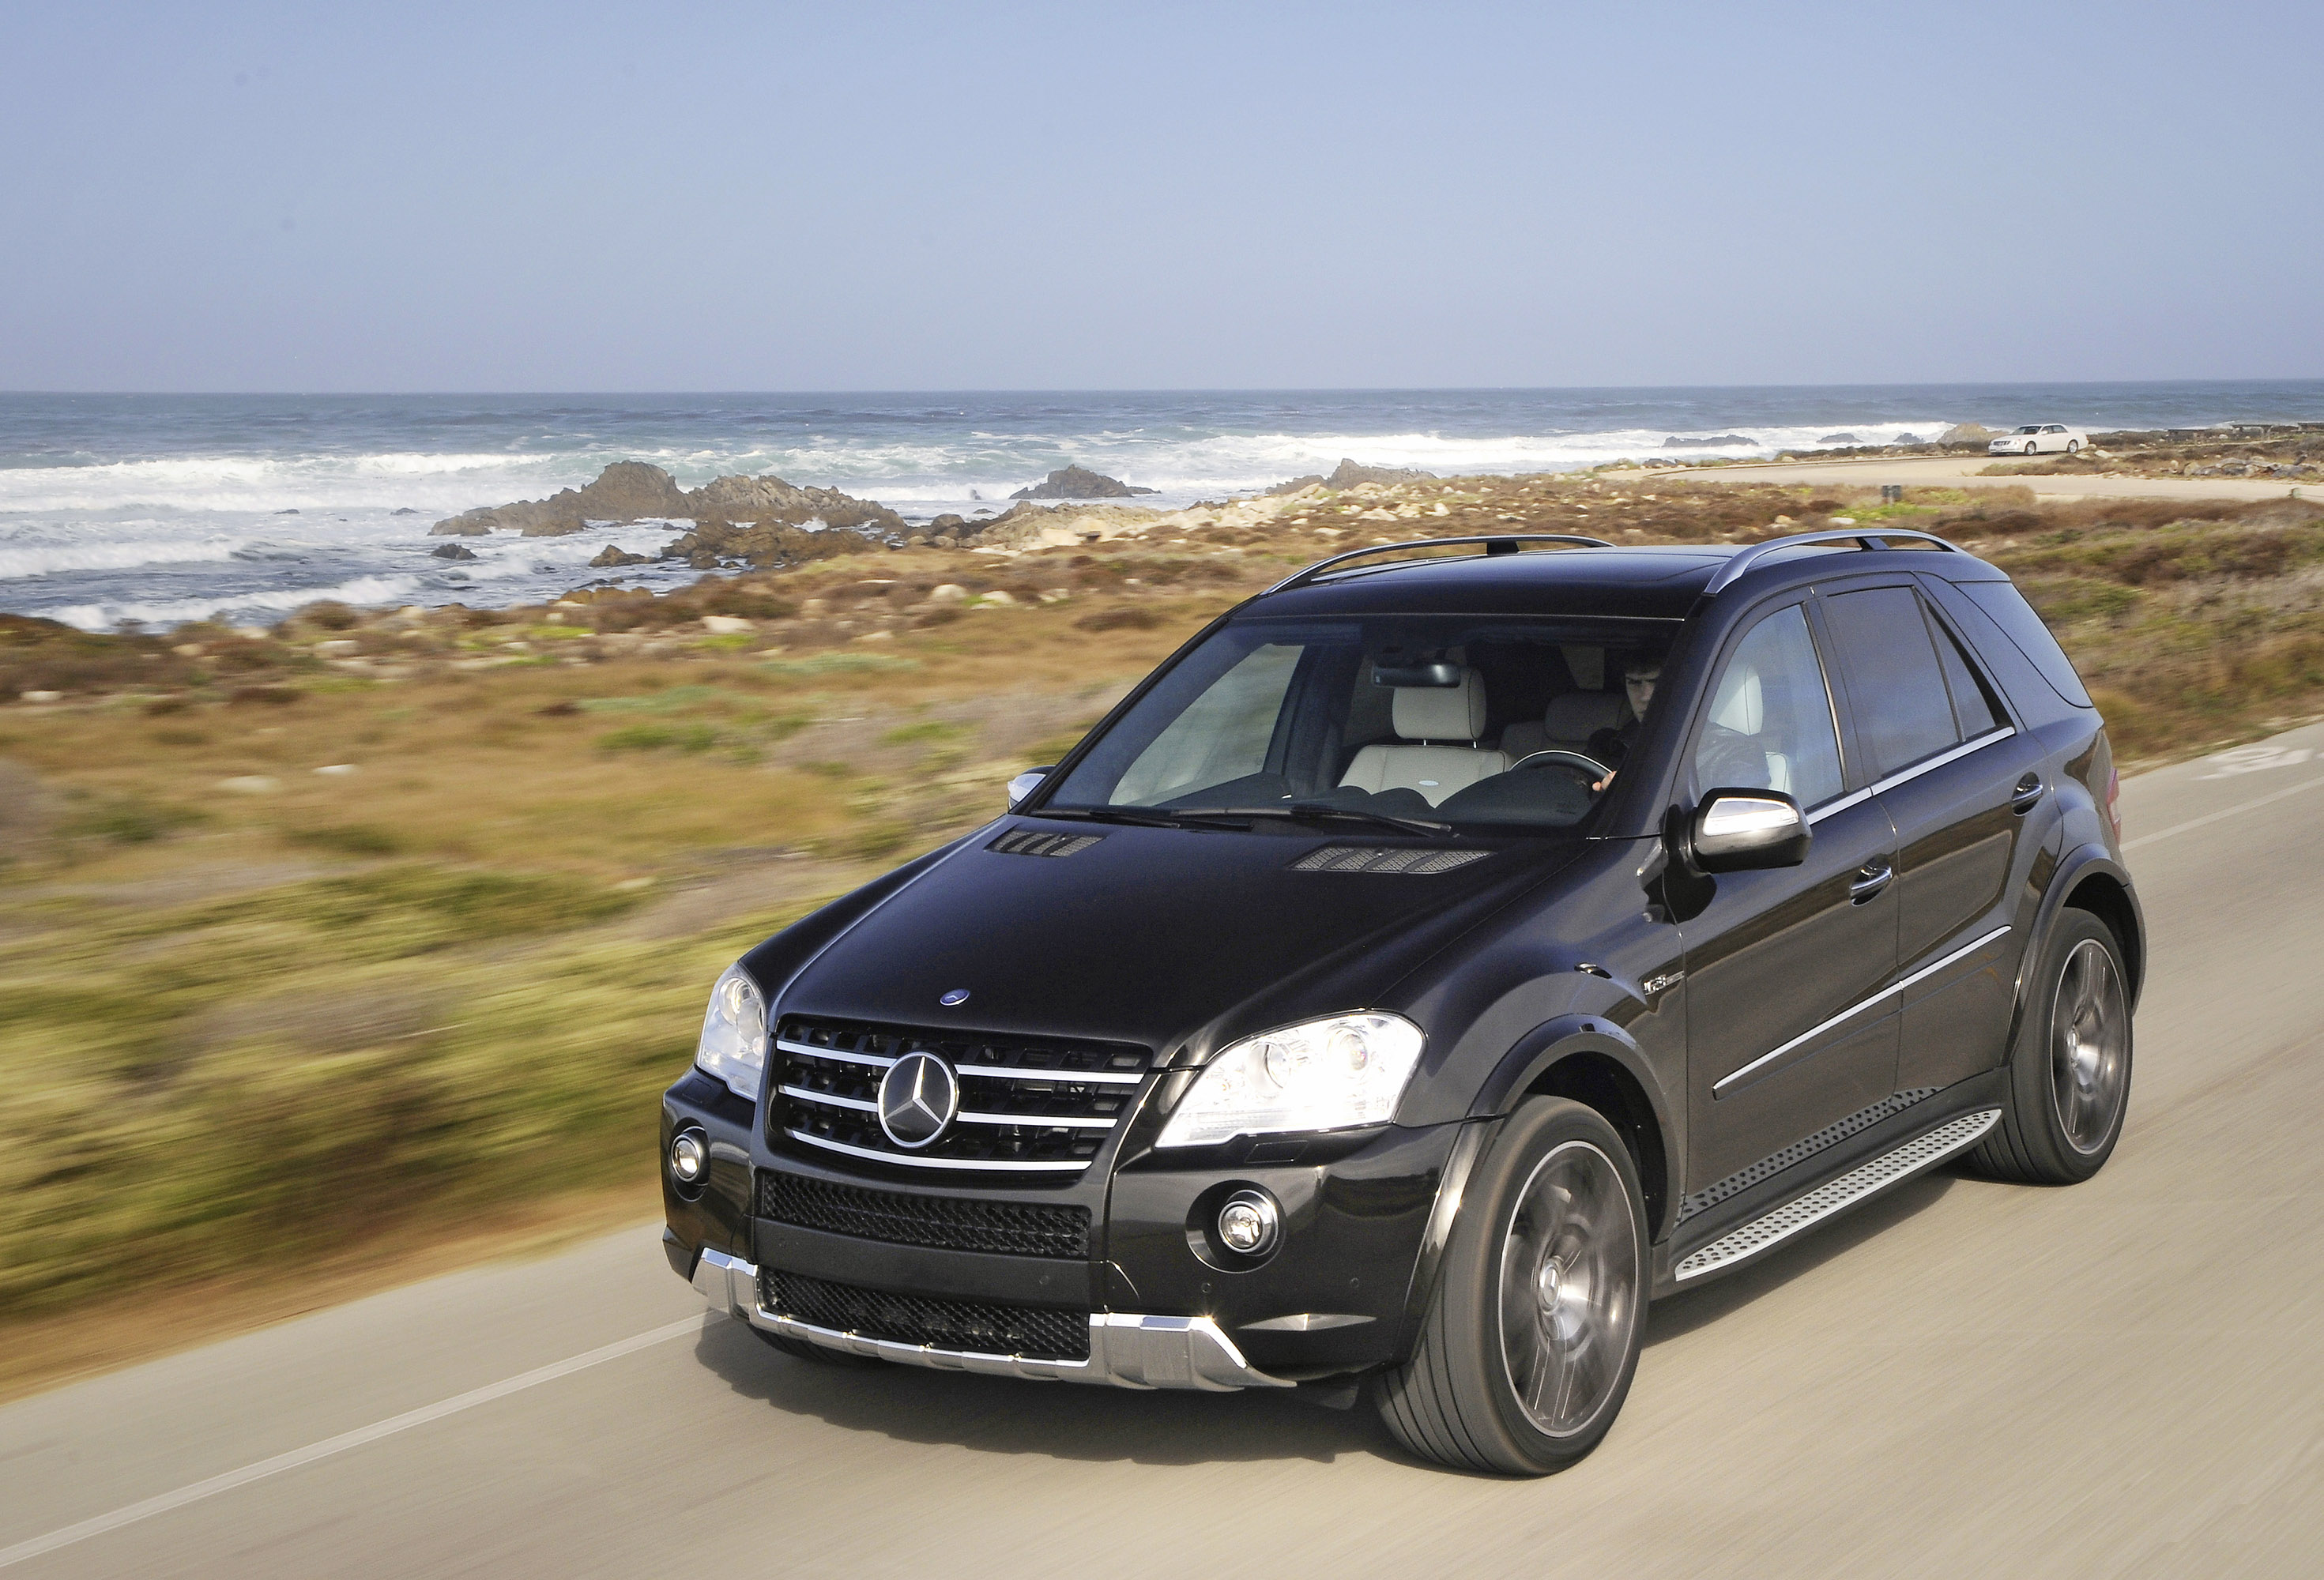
(1127, 1349)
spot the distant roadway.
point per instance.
(2123, 1378)
(1961, 472)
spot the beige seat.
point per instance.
(1570, 720)
(1432, 718)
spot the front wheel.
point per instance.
(2069, 1068)
(2029, 446)
(1532, 1334)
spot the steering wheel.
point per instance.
(1596, 771)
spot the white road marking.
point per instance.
(2217, 816)
(312, 1452)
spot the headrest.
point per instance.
(1579, 714)
(1743, 705)
(1441, 713)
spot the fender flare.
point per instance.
(2088, 860)
(1535, 1053)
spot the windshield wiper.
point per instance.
(1302, 811)
(1144, 817)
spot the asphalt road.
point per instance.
(2124, 1378)
(1962, 472)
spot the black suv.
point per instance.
(1447, 950)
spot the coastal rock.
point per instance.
(633, 490)
(406, 511)
(1965, 432)
(1676, 442)
(1079, 483)
(1906, 439)
(1349, 473)
(612, 554)
(453, 551)
(1831, 439)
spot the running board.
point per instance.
(1835, 1195)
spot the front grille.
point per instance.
(1028, 1105)
(944, 1223)
(946, 1324)
(1416, 859)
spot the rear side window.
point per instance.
(1895, 684)
(2017, 618)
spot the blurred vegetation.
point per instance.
(301, 943)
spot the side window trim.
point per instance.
(1804, 601)
(1944, 628)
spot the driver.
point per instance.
(1610, 746)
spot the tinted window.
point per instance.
(1972, 698)
(1894, 683)
(2014, 616)
(1769, 725)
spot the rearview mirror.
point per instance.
(1745, 831)
(1025, 783)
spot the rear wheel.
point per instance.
(2073, 447)
(2069, 1069)
(1532, 1334)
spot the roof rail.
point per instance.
(1499, 543)
(1870, 538)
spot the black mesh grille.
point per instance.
(1019, 1228)
(947, 1325)
(1416, 859)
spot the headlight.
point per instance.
(1325, 1075)
(733, 1045)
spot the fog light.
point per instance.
(1249, 1223)
(688, 1157)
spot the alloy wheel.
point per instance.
(1569, 1292)
(2090, 1046)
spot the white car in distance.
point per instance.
(2039, 439)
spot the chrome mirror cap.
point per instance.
(1740, 831)
(1025, 783)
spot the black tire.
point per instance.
(799, 1349)
(2058, 1127)
(1457, 1401)
(2029, 446)
(2073, 447)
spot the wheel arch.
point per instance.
(1593, 1062)
(2092, 880)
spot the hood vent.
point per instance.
(1419, 859)
(1042, 842)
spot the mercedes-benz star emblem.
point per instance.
(954, 997)
(918, 1097)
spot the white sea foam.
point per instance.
(362, 590)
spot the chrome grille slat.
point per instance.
(986, 1072)
(964, 1116)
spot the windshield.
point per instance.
(1438, 723)
(2029, 430)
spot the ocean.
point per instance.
(163, 508)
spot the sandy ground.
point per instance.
(1961, 471)
(1961, 1378)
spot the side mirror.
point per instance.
(1025, 783)
(1746, 830)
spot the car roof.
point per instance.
(1635, 582)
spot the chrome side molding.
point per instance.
(1825, 1200)
(1128, 1349)
(1719, 1088)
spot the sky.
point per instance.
(696, 195)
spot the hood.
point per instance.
(1151, 935)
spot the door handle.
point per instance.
(1867, 882)
(2028, 795)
